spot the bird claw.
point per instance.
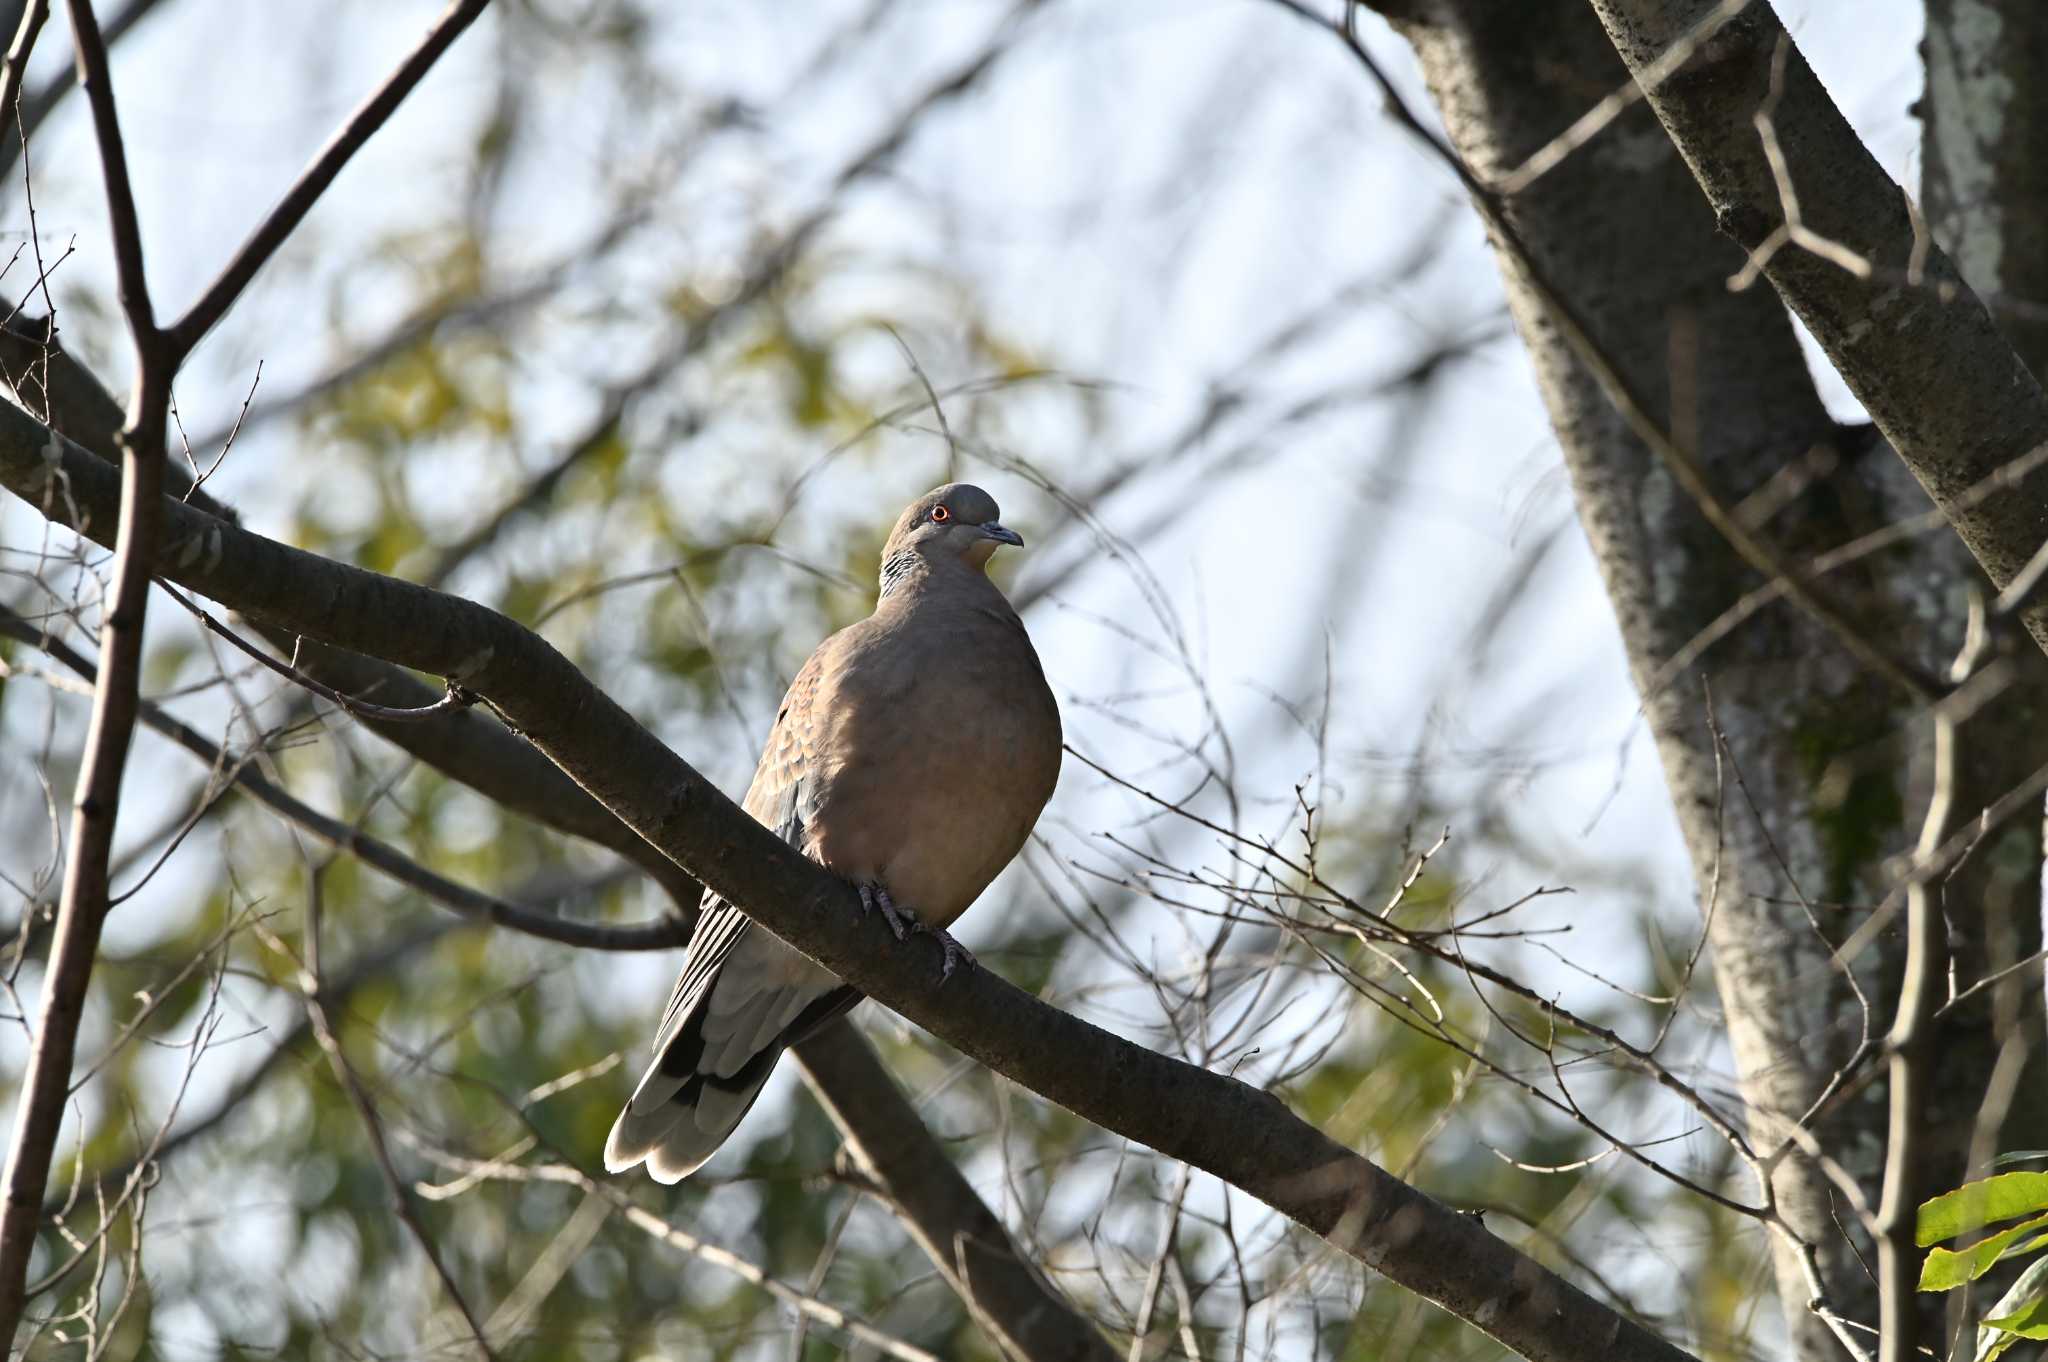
(873, 896)
(955, 953)
(904, 924)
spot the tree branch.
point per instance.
(284, 219)
(956, 1229)
(1910, 1044)
(378, 855)
(33, 16)
(1878, 324)
(1681, 462)
(40, 103)
(964, 1238)
(1238, 1133)
(45, 1084)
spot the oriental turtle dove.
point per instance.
(911, 756)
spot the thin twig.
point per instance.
(33, 16)
(1679, 461)
(45, 1083)
(662, 934)
(373, 1126)
(284, 219)
(1910, 1043)
(455, 697)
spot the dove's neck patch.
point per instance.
(899, 568)
(906, 567)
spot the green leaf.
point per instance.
(1977, 1204)
(1944, 1271)
(2021, 1313)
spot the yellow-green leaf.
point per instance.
(1977, 1204)
(1944, 1270)
(2021, 1313)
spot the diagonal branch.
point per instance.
(880, 1124)
(284, 219)
(1680, 461)
(1880, 324)
(379, 855)
(963, 1238)
(1242, 1135)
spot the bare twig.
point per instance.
(1588, 125)
(912, 1173)
(1909, 1044)
(37, 105)
(454, 698)
(381, 856)
(45, 1084)
(373, 1126)
(653, 1225)
(284, 219)
(1680, 461)
(33, 16)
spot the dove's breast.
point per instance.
(942, 748)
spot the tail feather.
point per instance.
(717, 1059)
(676, 1124)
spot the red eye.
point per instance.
(940, 515)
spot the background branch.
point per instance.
(1879, 324)
(45, 1084)
(1240, 1134)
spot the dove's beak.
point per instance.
(1001, 535)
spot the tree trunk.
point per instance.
(1789, 859)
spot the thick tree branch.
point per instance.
(1238, 1133)
(1513, 90)
(1882, 321)
(963, 1238)
(378, 855)
(941, 1210)
(1682, 462)
(464, 745)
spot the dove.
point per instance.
(911, 757)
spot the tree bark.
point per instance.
(1823, 750)
(1984, 156)
(1911, 340)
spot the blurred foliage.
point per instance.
(689, 557)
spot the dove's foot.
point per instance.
(904, 924)
(955, 952)
(873, 896)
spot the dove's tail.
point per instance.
(716, 1054)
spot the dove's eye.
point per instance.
(940, 515)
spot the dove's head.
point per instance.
(947, 525)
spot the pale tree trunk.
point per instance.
(1984, 155)
(1984, 182)
(1789, 867)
